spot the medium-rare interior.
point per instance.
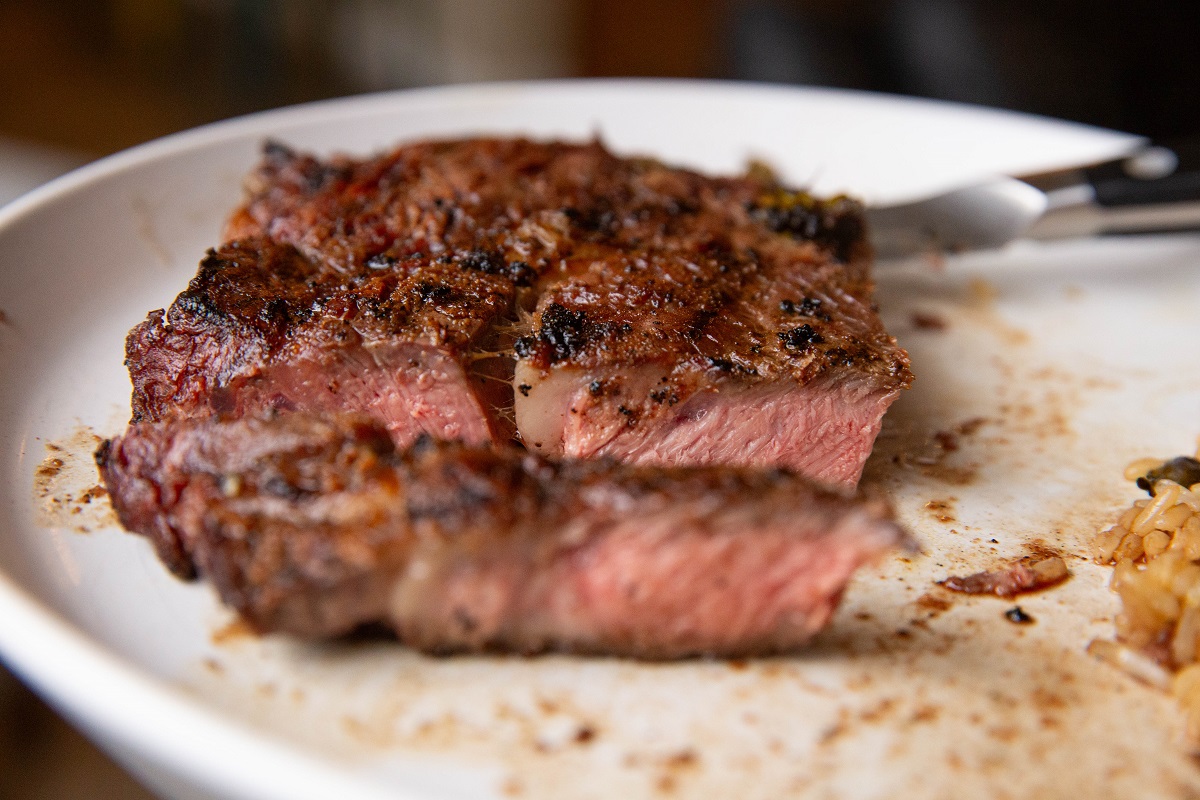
(317, 525)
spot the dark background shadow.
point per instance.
(100, 75)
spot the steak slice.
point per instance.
(668, 317)
(728, 335)
(261, 326)
(316, 526)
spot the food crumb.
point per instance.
(941, 510)
(1017, 615)
(928, 322)
(1031, 574)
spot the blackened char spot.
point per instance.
(800, 339)
(521, 273)
(493, 263)
(601, 220)
(525, 347)
(434, 292)
(484, 261)
(799, 220)
(807, 307)
(102, 453)
(564, 330)
(834, 224)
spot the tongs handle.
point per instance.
(1152, 176)
(1146, 192)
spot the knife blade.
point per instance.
(1143, 193)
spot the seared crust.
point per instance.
(255, 303)
(630, 262)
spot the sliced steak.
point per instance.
(317, 526)
(261, 326)
(667, 317)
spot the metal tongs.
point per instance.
(1145, 192)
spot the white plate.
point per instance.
(1077, 357)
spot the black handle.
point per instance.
(1151, 177)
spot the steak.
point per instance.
(263, 327)
(607, 306)
(317, 525)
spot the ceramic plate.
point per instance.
(1040, 372)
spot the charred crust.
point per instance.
(835, 225)
(435, 292)
(526, 347)
(493, 263)
(696, 264)
(484, 261)
(600, 219)
(807, 307)
(521, 273)
(524, 389)
(563, 334)
(103, 453)
(800, 339)
(565, 331)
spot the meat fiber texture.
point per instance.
(584, 304)
(316, 526)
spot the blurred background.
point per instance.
(95, 76)
(83, 78)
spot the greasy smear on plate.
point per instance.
(67, 491)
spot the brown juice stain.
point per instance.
(235, 630)
(933, 605)
(67, 491)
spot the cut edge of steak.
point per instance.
(315, 527)
(824, 429)
(262, 328)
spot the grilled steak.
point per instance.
(263, 327)
(618, 306)
(315, 526)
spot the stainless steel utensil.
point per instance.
(1144, 193)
